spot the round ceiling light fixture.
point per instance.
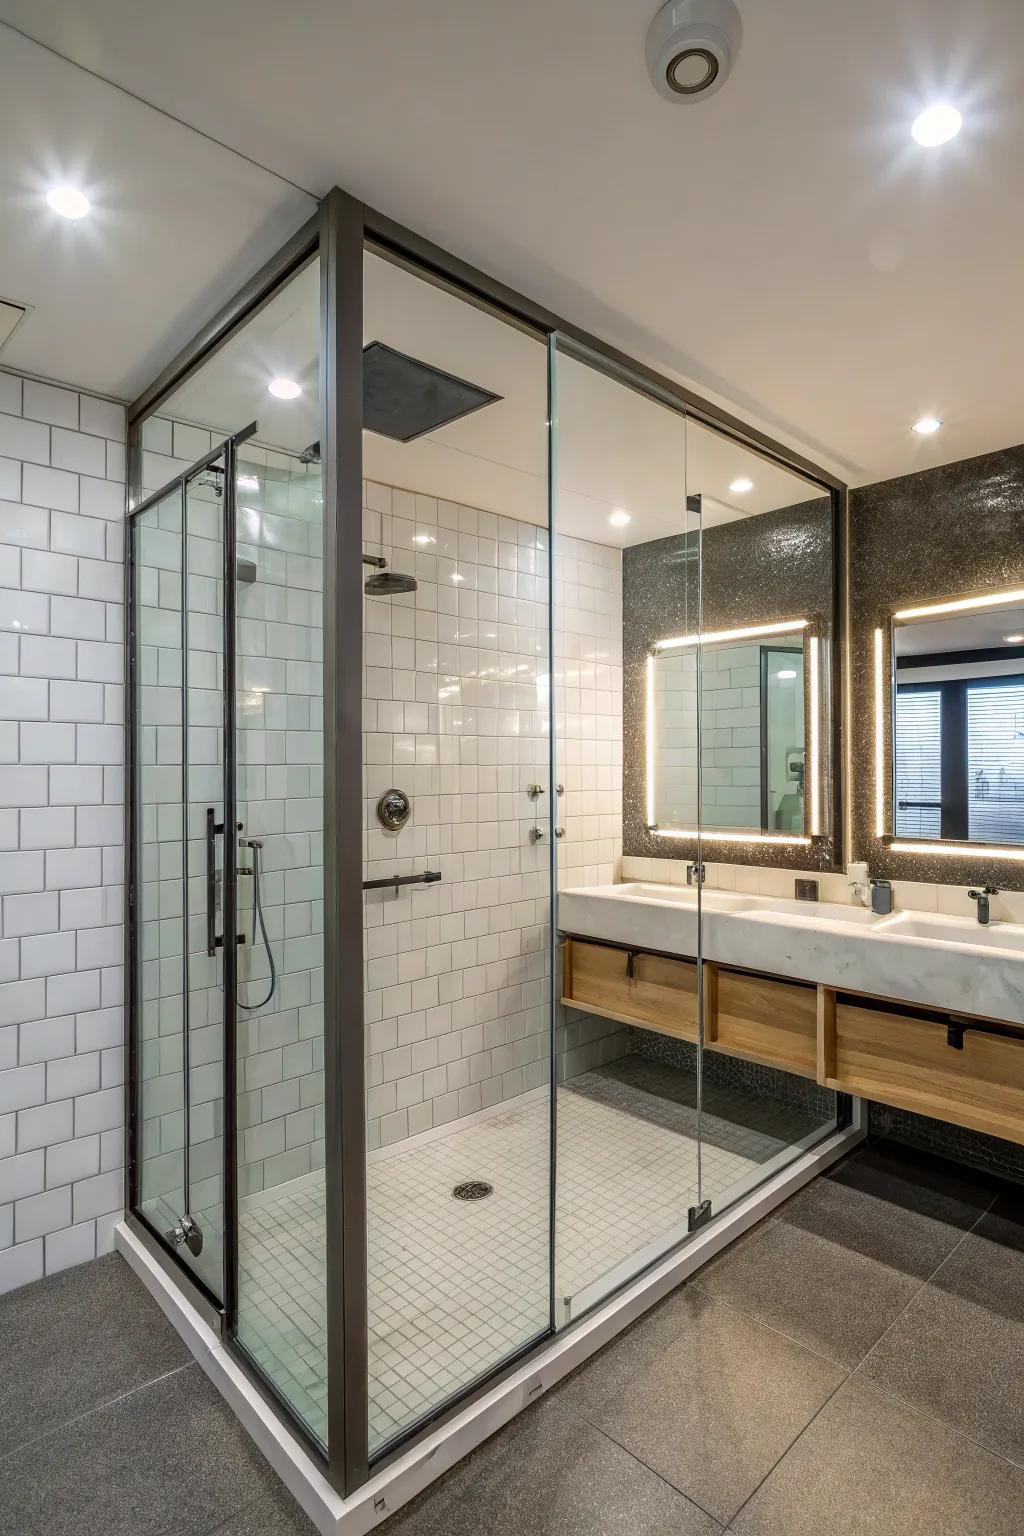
(691, 48)
(284, 389)
(927, 425)
(741, 485)
(618, 518)
(936, 125)
(68, 202)
(1013, 639)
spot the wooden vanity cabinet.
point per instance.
(654, 991)
(758, 1018)
(963, 1070)
(966, 1071)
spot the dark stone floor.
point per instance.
(854, 1365)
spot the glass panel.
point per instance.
(280, 751)
(627, 568)
(995, 761)
(204, 719)
(918, 744)
(278, 762)
(456, 786)
(767, 586)
(159, 844)
(781, 771)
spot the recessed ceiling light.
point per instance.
(927, 425)
(68, 202)
(284, 389)
(1014, 639)
(741, 485)
(786, 676)
(618, 518)
(936, 125)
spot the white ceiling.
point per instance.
(785, 246)
(616, 450)
(178, 225)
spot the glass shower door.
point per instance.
(629, 1023)
(158, 851)
(180, 795)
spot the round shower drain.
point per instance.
(473, 1189)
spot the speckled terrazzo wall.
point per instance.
(943, 533)
(757, 570)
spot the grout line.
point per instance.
(838, 1388)
(653, 1470)
(894, 1397)
(89, 1413)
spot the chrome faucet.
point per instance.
(982, 898)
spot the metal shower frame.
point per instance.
(339, 233)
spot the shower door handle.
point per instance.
(213, 827)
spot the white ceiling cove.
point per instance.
(784, 247)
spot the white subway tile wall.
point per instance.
(61, 826)
(456, 697)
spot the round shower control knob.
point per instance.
(394, 809)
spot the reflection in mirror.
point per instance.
(760, 620)
(752, 746)
(958, 721)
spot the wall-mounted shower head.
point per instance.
(386, 583)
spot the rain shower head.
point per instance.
(386, 583)
(405, 398)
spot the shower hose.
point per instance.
(257, 917)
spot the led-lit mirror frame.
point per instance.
(884, 670)
(815, 739)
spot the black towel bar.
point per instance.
(428, 877)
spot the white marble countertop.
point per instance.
(935, 961)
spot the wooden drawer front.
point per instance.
(771, 1022)
(661, 994)
(907, 1062)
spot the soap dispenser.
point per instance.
(881, 897)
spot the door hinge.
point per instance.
(698, 1215)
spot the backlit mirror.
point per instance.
(958, 721)
(753, 639)
(759, 746)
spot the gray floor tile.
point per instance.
(75, 1340)
(273, 1514)
(849, 1252)
(958, 1349)
(868, 1464)
(715, 1411)
(171, 1457)
(626, 1357)
(551, 1474)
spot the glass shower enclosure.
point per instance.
(388, 524)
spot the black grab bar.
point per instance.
(392, 882)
